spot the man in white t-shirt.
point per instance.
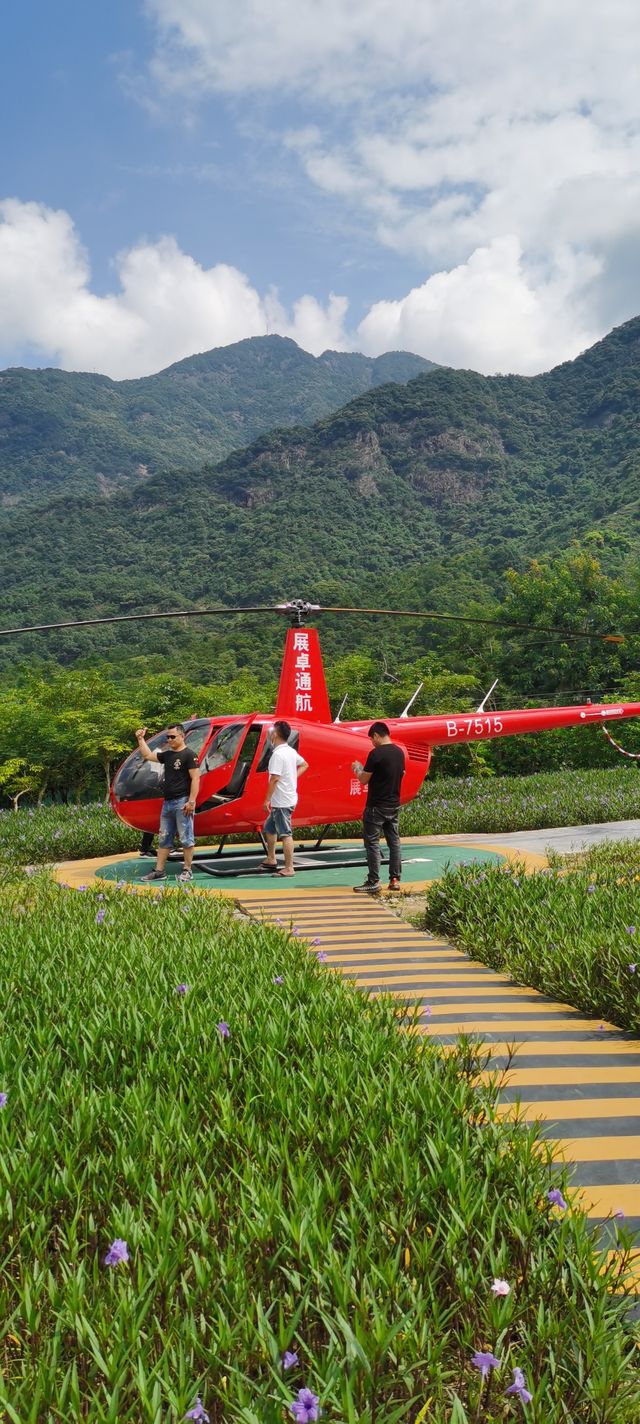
(285, 766)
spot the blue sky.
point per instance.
(454, 179)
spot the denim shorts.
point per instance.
(174, 820)
(278, 822)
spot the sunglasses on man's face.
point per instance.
(172, 736)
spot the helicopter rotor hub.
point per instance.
(298, 610)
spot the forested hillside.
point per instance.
(420, 495)
(62, 432)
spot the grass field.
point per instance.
(280, 1170)
(445, 806)
(573, 931)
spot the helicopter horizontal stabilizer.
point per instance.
(303, 691)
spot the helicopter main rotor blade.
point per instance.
(131, 618)
(299, 608)
(486, 622)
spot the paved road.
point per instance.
(563, 839)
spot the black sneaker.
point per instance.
(367, 889)
(155, 875)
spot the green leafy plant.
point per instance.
(217, 1156)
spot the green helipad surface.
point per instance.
(420, 862)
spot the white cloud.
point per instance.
(452, 127)
(487, 314)
(167, 305)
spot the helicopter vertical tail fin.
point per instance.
(303, 691)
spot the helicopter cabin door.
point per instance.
(227, 763)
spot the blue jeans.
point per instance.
(174, 820)
(278, 822)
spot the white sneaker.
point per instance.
(185, 876)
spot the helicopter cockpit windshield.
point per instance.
(140, 780)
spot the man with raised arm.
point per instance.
(181, 782)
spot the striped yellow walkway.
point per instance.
(579, 1077)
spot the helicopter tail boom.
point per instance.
(476, 727)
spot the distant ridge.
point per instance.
(62, 431)
(426, 491)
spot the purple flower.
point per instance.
(182, 988)
(100, 896)
(4, 1098)
(278, 978)
(632, 968)
(590, 889)
(484, 1361)
(426, 1009)
(118, 1252)
(619, 1214)
(322, 955)
(500, 1287)
(305, 1407)
(82, 887)
(120, 884)
(295, 929)
(100, 916)
(631, 929)
(223, 1029)
(556, 1198)
(518, 1387)
(289, 1359)
(317, 940)
(198, 1413)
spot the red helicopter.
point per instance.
(234, 751)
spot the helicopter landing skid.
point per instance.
(305, 858)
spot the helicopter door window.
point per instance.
(263, 764)
(238, 779)
(223, 746)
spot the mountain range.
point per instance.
(428, 490)
(64, 431)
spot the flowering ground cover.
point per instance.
(518, 803)
(445, 806)
(572, 931)
(233, 1190)
(40, 834)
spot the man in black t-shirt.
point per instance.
(382, 774)
(181, 782)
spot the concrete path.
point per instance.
(564, 839)
(579, 1077)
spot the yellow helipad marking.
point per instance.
(606, 1200)
(600, 1149)
(404, 956)
(515, 1026)
(566, 1048)
(497, 993)
(555, 1109)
